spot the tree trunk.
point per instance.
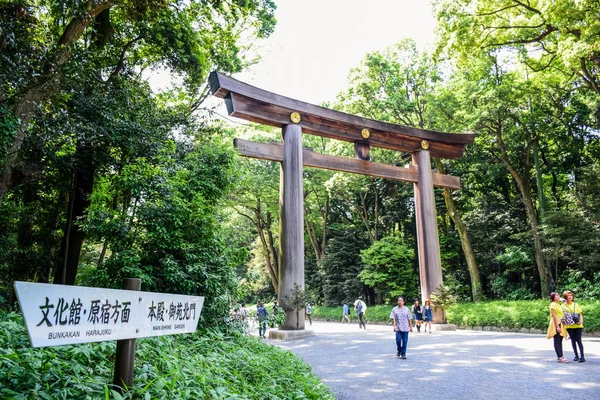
(525, 189)
(539, 181)
(267, 242)
(271, 262)
(364, 215)
(318, 246)
(73, 240)
(312, 235)
(537, 240)
(465, 239)
(46, 85)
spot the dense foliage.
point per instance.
(389, 269)
(101, 177)
(525, 220)
(200, 366)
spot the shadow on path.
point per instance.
(362, 364)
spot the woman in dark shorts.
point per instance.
(417, 311)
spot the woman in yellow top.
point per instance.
(574, 330)
(555, 330)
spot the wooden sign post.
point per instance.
(125, 355)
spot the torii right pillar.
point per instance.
(430, 263)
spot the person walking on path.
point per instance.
(555, 329)
(262, 314)
(427, 315)
(360, 307)
(244, 312)
(402, 325)
(308, 311)
(575, 330)
(345, 316)
(417, 312)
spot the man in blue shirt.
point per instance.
(346, 313)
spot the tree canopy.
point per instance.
(103, 177)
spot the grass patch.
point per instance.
(517, 314)
(211, 365)
(507, 314)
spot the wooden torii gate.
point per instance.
(295, 117)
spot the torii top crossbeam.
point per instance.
(247, 102)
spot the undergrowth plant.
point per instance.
(209, 365)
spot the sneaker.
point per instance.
(397, 354)
(576, 358)
(563, 360)
(582, 359)
(403, 357)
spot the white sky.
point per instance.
(317, 42)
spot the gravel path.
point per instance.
(362, 364)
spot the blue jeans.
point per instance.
(401, 342)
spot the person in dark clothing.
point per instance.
(262, 314)
(417, 312)
(308, 312)
(556, 330)
(574, 330)
(360, 307)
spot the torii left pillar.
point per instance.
(291, 225)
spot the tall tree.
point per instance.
(548, 34)
(43, 45)
(256, 198)
(82, 60)
(397, 86)
(498, 103)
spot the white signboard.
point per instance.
(60, 314)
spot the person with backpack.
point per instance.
(308, 311)
(346, 313)
(360, 308)
(574, 325)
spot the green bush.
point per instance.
(211, 366)
(374, 313)
(517, 314)
(506, 314)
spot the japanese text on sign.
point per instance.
(57, 314)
